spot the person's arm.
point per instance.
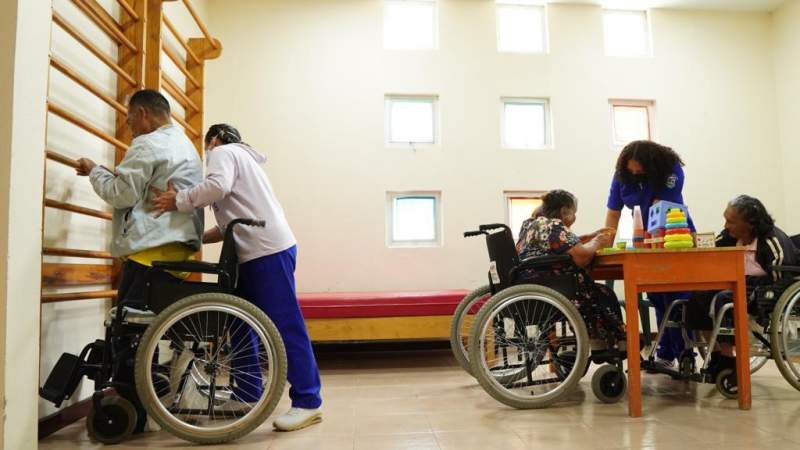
(212, 236)
(614, 204)
(216, 186)
(612, 218)
(125, 187)
(582, 254)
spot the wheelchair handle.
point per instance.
(248, 222)
(474, 233)
(493, 226)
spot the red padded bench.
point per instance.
(372, 316)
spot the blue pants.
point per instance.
(671, 344)
(268, 282)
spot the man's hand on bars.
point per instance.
(85, 166)
(164, 200)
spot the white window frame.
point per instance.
(391, 196)
(650, 105)
(548, 121)
(435, 43)
(511, 195)
(524, 4)
(389, 98)
(648, 34)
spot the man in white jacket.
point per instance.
(236, 187)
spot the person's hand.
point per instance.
(85, 166)
(164, 200)
(604, 240)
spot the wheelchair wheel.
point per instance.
(726, 384)
(115, 424)
(462, 322)
(224, 363)
(609, 384)
(785, 335)
(521, 333)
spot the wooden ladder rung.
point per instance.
(54, 251)
(57, 274)
(91, 295)
(55, 204)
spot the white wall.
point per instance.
(786, 33)
(23, 45)
(305, 82)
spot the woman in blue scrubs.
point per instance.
(647, 172)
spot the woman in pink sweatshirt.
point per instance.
(236, 186)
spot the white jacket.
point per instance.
(236, 187)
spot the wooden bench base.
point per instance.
(379, 328)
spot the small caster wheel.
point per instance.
(115, 424)
(726, 384)
(609, 384)
(687, 366)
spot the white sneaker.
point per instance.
(297, 418)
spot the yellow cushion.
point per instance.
(168, 252)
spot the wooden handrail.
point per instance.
(200, 24)
(176, 92)
(128, 9)
(180, 65)
(86, 126)
(91, 295)
(58, 274)
(62, 67)
(58, 157)
(102, 19)
(83, 40)
(180, 39)
(55, 204)
(185, 124)
(96, 254)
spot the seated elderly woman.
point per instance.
(548, 232)
(749, 225)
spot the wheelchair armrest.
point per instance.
(187, 266)
(793, 269)
(543, 261)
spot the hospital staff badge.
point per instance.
(672, 181)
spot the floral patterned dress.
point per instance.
(598, 305)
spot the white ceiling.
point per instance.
(726, 5)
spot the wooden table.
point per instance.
(661, 270)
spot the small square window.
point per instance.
(519, 208)
(631, 121)
(410, 24)
(413, 219)
(627, 33)
(521, 26)
(411, 120)
(526, 123)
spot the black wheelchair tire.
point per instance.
(121, 421)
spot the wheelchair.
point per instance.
(774, 321)
(207, 366)
(528, 345)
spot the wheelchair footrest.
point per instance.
(63, 380)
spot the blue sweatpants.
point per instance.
(268, 282)
(671, 344)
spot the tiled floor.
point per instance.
(421, 400)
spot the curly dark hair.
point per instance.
(226, 134)
(754, 213)
(554, 201)
(658, 162)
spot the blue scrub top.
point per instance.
(642, 194)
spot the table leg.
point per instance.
(742, 345)
(634, 361)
